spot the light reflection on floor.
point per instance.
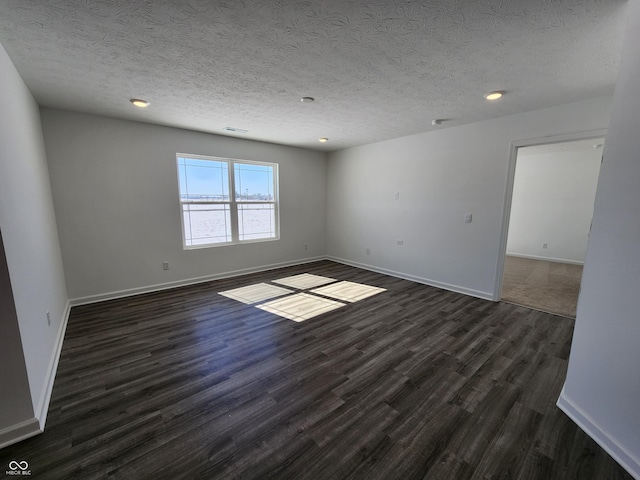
(302, 306)
(304, 281)
(256, 293)
(348, 291)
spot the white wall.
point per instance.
(553, 192)
(440, 176)
(28, 227)
(115, 191)
(602, 389)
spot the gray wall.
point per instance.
(15, 401)
(34, 263)
(115, 191)
(602, 390)
(440, 176)
(553, 192)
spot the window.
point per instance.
(226, 201)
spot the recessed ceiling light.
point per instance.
(494, 95)
(437, 121)
(598, 145)
(323, 140)
(139, 103)
(307, 99)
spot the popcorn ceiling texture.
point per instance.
(378, 69)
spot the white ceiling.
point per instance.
(378, 69)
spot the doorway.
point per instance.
(550, 211)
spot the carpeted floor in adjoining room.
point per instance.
(548, 286)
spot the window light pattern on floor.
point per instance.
(255, 293)
(300, 307)
(348, 291)
(304, 281)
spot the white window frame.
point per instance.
(233, 202)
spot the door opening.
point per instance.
(549, 219)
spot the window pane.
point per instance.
(205, 224)
(218, 212)
(203, 180)
(256, 221)
(253, 182)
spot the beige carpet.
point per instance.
(548, 286)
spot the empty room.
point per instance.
(268, 239)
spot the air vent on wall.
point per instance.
(236, 130)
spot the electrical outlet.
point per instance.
(165, 265)
(399, 242)
(545, 245)
(306, 246)
(48, 318)
(368, 251)
(396, 195)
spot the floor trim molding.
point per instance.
(414, 278)
(188, 281)
(235, 273)
(47, 388)
(620, 454)
(20, 431)
(546, 259)
(35, 426)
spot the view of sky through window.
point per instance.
(227, 201)
(253, 182)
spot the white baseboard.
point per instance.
(20, 431)
(34, 426)
(546, 259)
(189, 281)
(235, 273)
(45, 396)
(628, 461)
(414, 278)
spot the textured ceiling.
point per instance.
(378, 69)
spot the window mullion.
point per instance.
(233, 205)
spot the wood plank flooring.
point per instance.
(412, 383)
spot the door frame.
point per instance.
(508, 195)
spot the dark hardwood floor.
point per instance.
(413, 383)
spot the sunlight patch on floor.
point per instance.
(300, 307)
(256, 293)
(304, 281)
(348, 291)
